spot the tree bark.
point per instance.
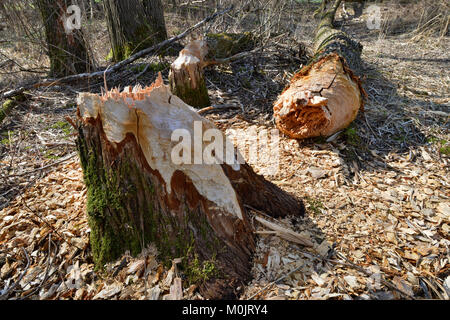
(134, 25)
(138, 192)
(326, 95)
(66, 49)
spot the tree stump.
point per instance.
(186, 75)
(139, 191)
(326, 95)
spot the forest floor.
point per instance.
(377, 194)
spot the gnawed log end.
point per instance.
(321, 99)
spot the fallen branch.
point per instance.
(70, 156)
(285, 233)
(233, 58)
(216, 107)
(117, 66)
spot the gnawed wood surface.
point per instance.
(326, 95)
(138, 195)
(186, 75)
(320, 100)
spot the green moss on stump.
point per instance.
(124, 214)
(222, 45)
(198, 272)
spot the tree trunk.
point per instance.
(326, 95)
(67, 48)
(134, 25)
(186, 76)
(143, 188)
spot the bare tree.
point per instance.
(133, 25)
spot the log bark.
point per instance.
(186, 76)
(138, 192)
(326, 95)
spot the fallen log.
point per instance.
(326, 95)
(142, 187)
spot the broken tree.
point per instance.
(145, 185)
(326, 95)
(186, 75)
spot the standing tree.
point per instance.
(66, 45)
(134, 25)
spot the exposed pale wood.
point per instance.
(186, 76)
(285, 233)
(326, 95)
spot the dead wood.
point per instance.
(186, 75)
(326, 95)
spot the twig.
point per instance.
(46, 275)
(385, 282)
(48, 224)
(4, 292)
(117, 66)
(275, 282)
(281, 231)
(216, 107)
(70, 156)
(235, 57)
(348, 263)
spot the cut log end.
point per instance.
(320, 100)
